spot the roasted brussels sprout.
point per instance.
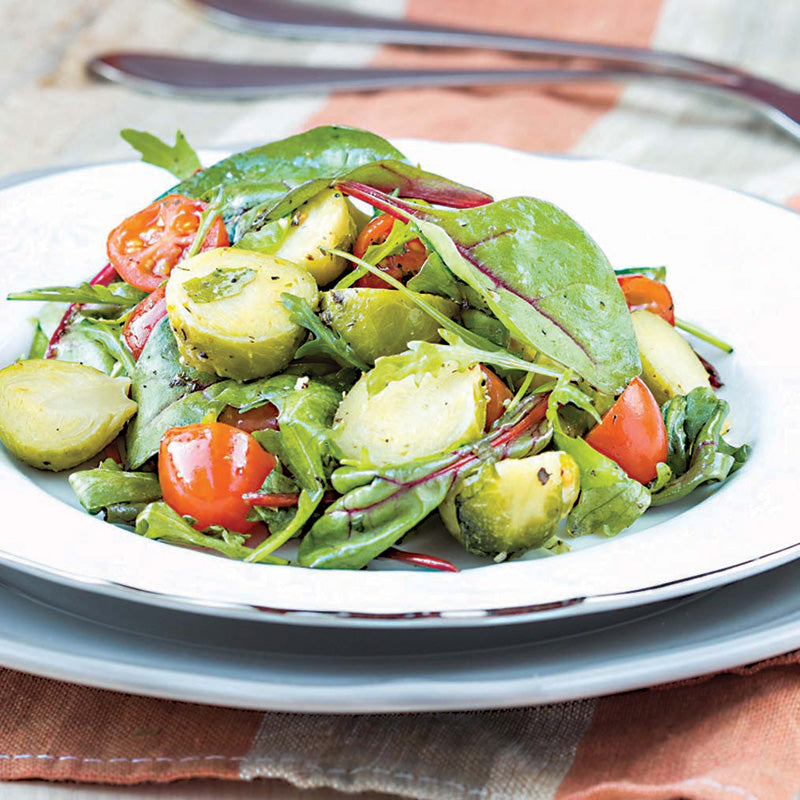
(508, 507)
(225, 308)
(56, 414)
(412, 417)
(381, 322)
(669, 365)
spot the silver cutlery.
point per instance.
(232, 80)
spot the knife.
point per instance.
(301, 20)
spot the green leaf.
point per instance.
(117, 294)
(326, 342)
(159, 521)
(389, 174)
(697, 452)
(179, 159)
(158, 380)
(263, 175)
(379, 506)
(542, 276)
(609, 501)
(109, 485)
(221, 282)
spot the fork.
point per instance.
(230, 80)
(302, 20)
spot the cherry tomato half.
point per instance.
(146, 246)
(642, 292)
(144, 317)
(633, 433)
(401, 266)
(256, 419)
(498, 395)
(204, 469)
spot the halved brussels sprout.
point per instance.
(324, 221)
(412, 417)
(381, 322)
(508, 507)
(56, 414)
(669, 365)
(225, 309)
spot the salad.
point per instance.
(316, 340)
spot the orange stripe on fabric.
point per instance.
(114, 737)
(730, 736)
(529, 118)
(794, 202)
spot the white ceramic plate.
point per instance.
(732, 268)
(130, 647)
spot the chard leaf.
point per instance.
(109, 485)
(697, 452)
(540, 274)
(117, 294)
(609, 500)
(179, 159)
(159, 521)
(379, 506)
(388, 175)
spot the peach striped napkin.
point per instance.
(732, 735)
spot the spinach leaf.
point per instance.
(179, 159)
(609, 501)
(540, 274)
(158, 380)
(697, 452)
(378, 506)
(264, 174)
(108, 486)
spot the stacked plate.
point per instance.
(695, 587)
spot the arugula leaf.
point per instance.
(302, 444)
(108, 485)
(540, 274)
(326, 342)
(379, 506)
(179, 159)
(609, 501)
(118, 294)
(424, 357)
(697, 452)
(108, 335)
(159, 521)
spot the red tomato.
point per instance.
(204, 470)
(256, 419)
(401, 266)
(144, 317)
(498, 396)
(633, 433)
(145, 247)
(642, 292)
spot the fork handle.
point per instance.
(293, 20)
